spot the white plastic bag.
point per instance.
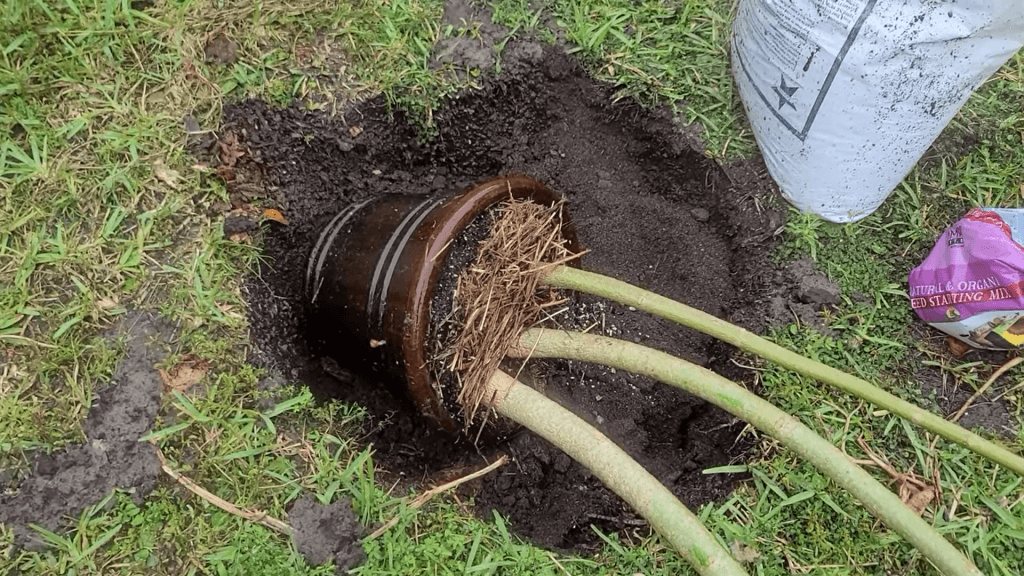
(844, 96)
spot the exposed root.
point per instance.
(250, 514)
(426, 496)
(499, 295)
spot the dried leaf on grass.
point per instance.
(226, 173)
(106, 303)
(916, 499)
(915, 492)
(956, 347)
(275, 215)
(230, 150)
(743, 553)
(229, 311)
(185, 374)
(165, 174)
(500, 294)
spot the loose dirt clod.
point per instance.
(326, 532)
(474, 44)
(221, 50)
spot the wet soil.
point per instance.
(66, 482)
(985, 413)
(943, 392)
(650, 209)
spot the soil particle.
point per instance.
(327, 532)
(65, 483)
(633, 186)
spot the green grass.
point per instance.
(93, 223)
(94, 95)
(876, 334)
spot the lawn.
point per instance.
(106, 223)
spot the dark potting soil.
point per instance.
(650, 210)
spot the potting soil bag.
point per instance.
(971, 285)
(844, 96)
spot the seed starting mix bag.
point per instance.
(971, 285)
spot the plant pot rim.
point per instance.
(450, 219)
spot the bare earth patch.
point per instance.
(650, 209)
(65, 483)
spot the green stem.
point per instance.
(619, 472)
(603, 286)
(762, 415)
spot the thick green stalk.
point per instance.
(764, 416)
(622, 292)
(618, 471)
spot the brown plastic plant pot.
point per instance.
(372, 276)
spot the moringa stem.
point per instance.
(617, 470)
(733, 398)
(624, 293)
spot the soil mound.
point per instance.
(651, 210)
(326, 532)
(66, 482)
